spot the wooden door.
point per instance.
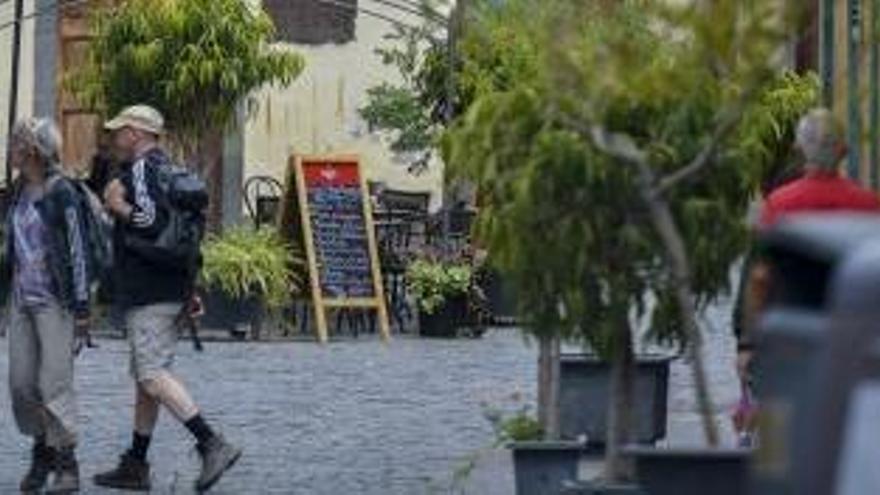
(80, 126)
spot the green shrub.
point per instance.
(244, 263)
(432, 282)
(519, 427)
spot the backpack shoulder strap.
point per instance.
(58, 182)
(54, 180)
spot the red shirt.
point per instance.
(817, 192)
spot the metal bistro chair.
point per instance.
(393, 256)
(409, 207)
(401, 226)
(410, 201)
(460, 223)
(262, 198)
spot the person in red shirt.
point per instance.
(822, 188)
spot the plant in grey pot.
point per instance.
(247, 273)
(540, 465)
(616, 174)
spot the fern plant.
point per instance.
(245, 263)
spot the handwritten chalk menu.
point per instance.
(340, 242)
(339, 230)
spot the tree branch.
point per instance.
(703, 159)
(653, 191)
(624, 148)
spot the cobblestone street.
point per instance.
(354, 417)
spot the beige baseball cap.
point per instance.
(143, 117)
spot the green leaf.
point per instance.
(194, 60)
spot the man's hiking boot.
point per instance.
(218, 456)
(65, 474)
(42, 459)
(131, 474)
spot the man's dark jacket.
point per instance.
(138, 279)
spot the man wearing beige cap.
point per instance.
(152, 294)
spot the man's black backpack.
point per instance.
(179, 242)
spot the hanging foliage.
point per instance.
(194, 60)
(528, 149)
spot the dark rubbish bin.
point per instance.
(813, 346)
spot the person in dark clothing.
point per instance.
(767, 187)
(820, 188)
(103, 167)
(153, 296)
(45, 274)
(102, 171)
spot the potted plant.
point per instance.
(764, 136)
(245, 273)
(540, 466)
(616, 177)
(440, 291)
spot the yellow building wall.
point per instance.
(26, 78)
(318, 113)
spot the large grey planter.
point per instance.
(501, 296)
(546, 468)
(594, 488)
(692, 471)
(584, 389)
(228, 313)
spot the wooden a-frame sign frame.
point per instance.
(321, 303)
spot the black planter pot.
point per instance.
(446, 321)
(502, 299)
(548, 467)
(583, 398)
(228, 313)
(692, 471)
(594, 488)
(267, 210)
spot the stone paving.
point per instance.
(352, 417)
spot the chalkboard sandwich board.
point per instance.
(337, 228)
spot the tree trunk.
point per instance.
(666, 227)
(209, 160)
(664, 223)
(620, 405)
(548, 386)
(676, 254)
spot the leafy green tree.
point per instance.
(194, 60)
(615, 178)
(490, 52)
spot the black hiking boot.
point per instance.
(131, 474)
(65, 474)
(218, 456)
(42, 459)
